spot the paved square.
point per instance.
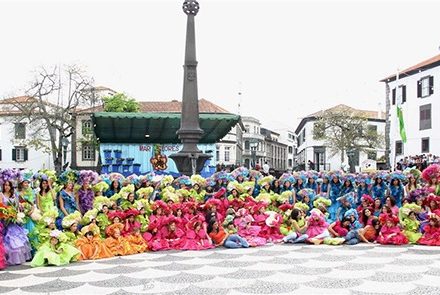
(278, 269)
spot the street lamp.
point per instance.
(350, 155)
(65, 143)
(254, 146)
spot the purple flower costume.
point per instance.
(16, 242)
(86, 198)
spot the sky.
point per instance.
(288, 59)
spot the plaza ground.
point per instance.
(278, 269)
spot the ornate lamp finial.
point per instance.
(191, 7)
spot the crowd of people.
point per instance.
(52, 219)
(418, 161)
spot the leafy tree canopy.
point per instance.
(120, 102)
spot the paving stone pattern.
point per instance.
(278, 269)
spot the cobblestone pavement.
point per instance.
(278, 269)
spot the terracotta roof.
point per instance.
(173, 106)
(343, 107)
(424, 65)
(18, 99)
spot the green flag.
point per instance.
(401, 124)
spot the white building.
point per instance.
(229, 150)
(15, 151)
(276, 151)
(254, 150)
(418, 90)
(288, 137)
(310, 149)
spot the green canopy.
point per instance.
(157, 127)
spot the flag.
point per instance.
(399, 98)
(401, 123)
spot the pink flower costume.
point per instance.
(196, 236)
(317, 226)
(251, 232)
(168, 237)
(391, 234)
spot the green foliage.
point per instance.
(120, 103)
(346, 129)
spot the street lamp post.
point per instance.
(190, 159)
(254, 146)
(65, 143)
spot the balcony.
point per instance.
(248, 153)
(254, 136)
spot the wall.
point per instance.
(411, 115)
(36, 158)
(142, 153)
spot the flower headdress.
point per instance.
(432, 171)
(12, 175)
(68, 176)
(133, 179)
(145, 192)
(197, 179)
(62, 238)
(265, 180)
(322, 202)
(71, 219)
(240, 171)
(101, 186)
(89, 216)
(49, 216)
(112, 214)
(287, 177)
(302, 206)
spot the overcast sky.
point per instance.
(288, 58)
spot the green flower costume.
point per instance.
(46, 201)
(59, 254)
(411, 230)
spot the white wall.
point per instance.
(333, 161)
(36, 159)
(411, 115)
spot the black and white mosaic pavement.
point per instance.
(279, 269)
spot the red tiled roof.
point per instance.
(173, 106)
(419, 66)
(18, 99)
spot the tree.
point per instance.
(120, 102)
(51, 100)
(346, 131)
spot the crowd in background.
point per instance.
(52, 219)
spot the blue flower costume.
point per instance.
(335, 192)
(69, 204)
(397, 193)
(379, 191)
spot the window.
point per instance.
(425, 86)
(425, 117)
(0, 154)
(20, 131)
(87, 127)
(290, 150)
(19, 154)
(425, 145)
(372, 129)
(304, 134)
(227, 148)
(88, 152)
(399, 95)
(247, 145)
(372, 155)
(217, 154)
(399, 148)
(246, 128)
(318, 130)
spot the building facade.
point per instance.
(276, 152)
(315, 151)
(229, 150)
(287, 136)
(254, 147)
(417, 90)
(15, 138)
